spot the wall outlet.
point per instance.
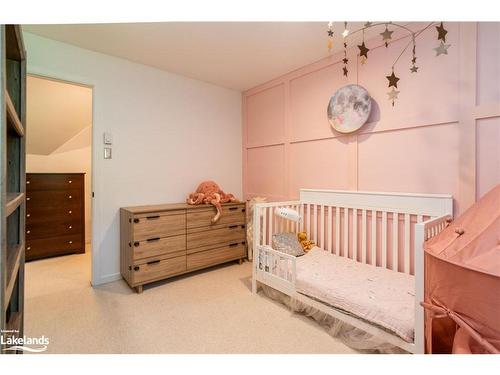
(107, 152)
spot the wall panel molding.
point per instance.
(467, 122)
(488, 154)
(265, 116)
(486, 110)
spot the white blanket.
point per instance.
(377, 295)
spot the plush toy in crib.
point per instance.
(306, 244)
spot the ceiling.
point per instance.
(56, 112)
(236, 55)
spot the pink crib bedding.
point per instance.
(377, 295)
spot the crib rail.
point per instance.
(432, 227)
(423, 232)
(275, 268)
(371, 228)
(266, 223)
(376, 236)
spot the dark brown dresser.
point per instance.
(55, 214)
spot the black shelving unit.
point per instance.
(13, 181)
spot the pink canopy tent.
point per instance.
(462, 282)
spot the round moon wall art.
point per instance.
(349, 108)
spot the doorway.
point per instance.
(59, 177)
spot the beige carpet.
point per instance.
(210, 311)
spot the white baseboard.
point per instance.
(107, 279)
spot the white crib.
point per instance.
(363, 226)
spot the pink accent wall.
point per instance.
(422, 144)
(488, 154)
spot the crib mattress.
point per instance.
(374, 294)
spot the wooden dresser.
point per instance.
(55, 214)
(162, 241)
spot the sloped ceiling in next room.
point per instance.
(56, 112)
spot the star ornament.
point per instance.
(393, 95)
(441, 32)
(393, 80)
(330, 44)
(345, 70)
(386, 35)
(363, 51)
(330, 32)
(414, 69)
(442, 49)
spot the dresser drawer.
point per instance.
(202, 237)
(53, 215)
(53, 181)
(39, 248)
(156, 225)
(53, 228)
(47, 199)
(215, 256)
(153, 247)
(158, 269)
(203, 217)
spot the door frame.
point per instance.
(95, 275)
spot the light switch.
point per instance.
(108, 138)
(107, 152)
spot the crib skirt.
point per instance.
(351, 336)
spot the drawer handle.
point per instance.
(28, 231)
(70, 212)
(153, 262)
(70, 227)
(233, 226)
(153, 239)
(153, 217)
(136, 244)
(70, 181)
(28, 198)
(233, 244)
(27, 182)
(243, 210)
(69, 197)
(70, 242)
(28, 248)
(136, 268)
(233, 208)
(136, 220)
(28, 215)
